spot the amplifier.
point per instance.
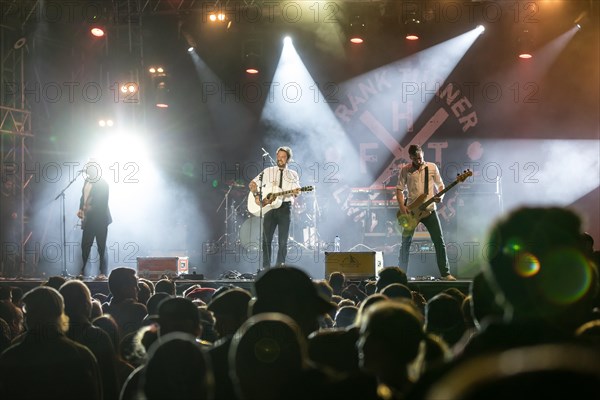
(354, 264)
(480, 187)
(373, 204)
(155, 267)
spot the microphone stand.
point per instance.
(63, 224)
(262, 239)
(260, 218)
(316, 217)
(227, 215)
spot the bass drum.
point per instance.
(249, 233)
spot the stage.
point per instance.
(181, 112)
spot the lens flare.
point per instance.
(526, 265)
(566, 276)
(512, 247)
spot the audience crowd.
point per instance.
(529, 326)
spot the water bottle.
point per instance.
(336, 244)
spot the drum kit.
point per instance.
(243, 229)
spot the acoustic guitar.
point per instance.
(272, 199)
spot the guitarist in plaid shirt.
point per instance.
(422, 181)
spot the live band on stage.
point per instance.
(374, 208)
(385, 218)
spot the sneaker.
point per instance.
(101, 277)
(448, 277)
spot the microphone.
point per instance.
(265, 153)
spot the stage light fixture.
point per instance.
(20, 43)
(105, 123)
(357, 30)
(97, 31)
(159, 86)
(525, 45)
(161, 95)
(251, 62)
(582, 20)
(190, 49)
(217, 17)
(412, 27)
(129, 87)
(156, 71)
(251, 54)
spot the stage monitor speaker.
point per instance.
(422, 265)
(156, 267)
(355, 265)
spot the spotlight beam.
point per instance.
(417, 91)
(300, 114)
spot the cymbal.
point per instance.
(235, 184)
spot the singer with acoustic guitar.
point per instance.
(275, 179)
(422, 181)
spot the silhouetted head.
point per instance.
(177, 369)
(44, 310)
(290, 291)
(165, 286)
(538, 268)
(390, 334)
(230, 309)
(179, 315)
(78, 299)
(267, 353)
(389, 275)
(122, 283)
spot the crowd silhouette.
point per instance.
(529, 326)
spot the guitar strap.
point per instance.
(426, 180)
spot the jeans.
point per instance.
(278, 217)
(432, 223)
(99, 232)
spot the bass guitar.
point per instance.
(271, 200)
(417, 210)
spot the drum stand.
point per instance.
(294, 241)
(312, 239)
(229, 214)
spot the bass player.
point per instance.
(277, 178)
(418, 178)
